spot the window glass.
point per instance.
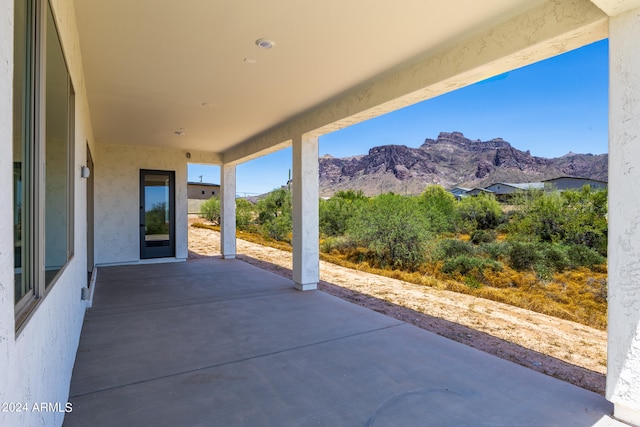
(56, 207)
(22, 123)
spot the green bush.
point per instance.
(451, 248)
(390, 228)
(277, 228)
(337, 243)
(555, 257)
(244, 213)
(495, 250)
(438, 208)
(523, 255)
(583, 256)
(481, 212)
(336, 212)
(465, 264)
(274, 215)
(483, 236)
(210, 210)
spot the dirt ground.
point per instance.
(563, 349)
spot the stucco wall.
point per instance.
(117, 198)
(36, 364)
(623, 369)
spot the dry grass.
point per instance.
(577, 295)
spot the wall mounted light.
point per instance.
(85, 172)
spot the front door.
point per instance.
(157, 214)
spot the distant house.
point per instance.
(477, 191)
(198, 193)
(573, 183)
(459, 192)
(202, 190)
(504, 190)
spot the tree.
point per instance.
(274, 214)
(393, 229)
(438, 207)
(482, 212)
(244, 213)
(336, 212)
(210, 210)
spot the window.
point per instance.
(43, 114)
(202, 191)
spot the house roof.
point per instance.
(522, 186)
(189, 75)
(573, 177)
(207, 184)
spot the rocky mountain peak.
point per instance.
(449, 160)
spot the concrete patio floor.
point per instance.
(215, 342)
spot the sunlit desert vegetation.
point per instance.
(543, 251)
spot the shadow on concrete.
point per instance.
(548, 365)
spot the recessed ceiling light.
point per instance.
(249, 61)
(265, 43)
(180, 131)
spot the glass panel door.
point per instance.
(157, 214)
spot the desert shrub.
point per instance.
(554, 257)
(583, 256)
(495, 250)
(483, 236)
(274, 215)
(462, 264)
(472, 282)
(438, 208)
(210, 210)
(341, 244)
(465, 265)
(336, 212)
(277, 228)
(570, 217)
(451, 248)
(523, 255)
(244, 213)
(481, 212)
(390, 228)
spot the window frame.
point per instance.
(33, 162)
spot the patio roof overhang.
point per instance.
(189, 75)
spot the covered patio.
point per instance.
(221, 342)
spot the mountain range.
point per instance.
(450, 160)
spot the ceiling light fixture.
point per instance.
(180, 132)
(249, 61)
(265, 43)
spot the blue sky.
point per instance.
(550, 108)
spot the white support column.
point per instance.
(306, 269)
(228, 211)
(623, 370)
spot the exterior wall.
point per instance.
(623, 368)
(202, 191)
(568, 183)
(117, 198)
(499, 189)
(36, 363)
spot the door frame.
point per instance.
(165, 251)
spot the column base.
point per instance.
(306, 286)
(628, 415)
(230, 256)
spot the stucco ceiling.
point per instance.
(153, 68)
